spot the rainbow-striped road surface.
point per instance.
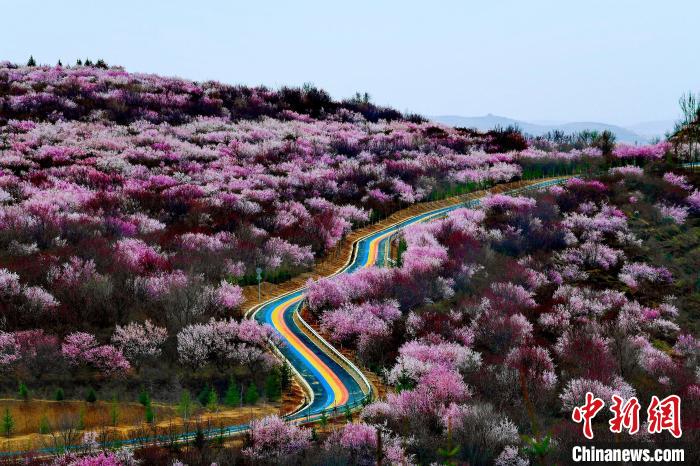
(331, 380)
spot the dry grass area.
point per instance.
(338, 256)
(68, 420)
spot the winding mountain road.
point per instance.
(331, 381)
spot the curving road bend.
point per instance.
(331, 380)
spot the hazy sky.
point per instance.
(616, 61)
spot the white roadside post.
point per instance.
(258, 272)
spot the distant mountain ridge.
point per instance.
(645, 131)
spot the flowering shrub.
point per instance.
(632, 273)
(411, 368)
(9, 349)
(505, 203)
(9, 283)
(367, 322)
(138, 341)
(360, 441)
(677, 180)
(677, 214)
(228, 296)
(122, 457)
(627, 170)
(271, 438)
(649, 152)
(160, 284)
(574, 394)
(222, 341)
(82, 348)
(694, 201)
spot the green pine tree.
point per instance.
(31, 61)
(23, 391)
(88, 62)
(203, 396)
(286, 376)
(91, 396)
(399, 252)
(144, 397)
(273, 386)
(59, 63)
(114, 412)
(81, 418)
(213, 400)
(59, 395)
(79, 62)
(185, 405)
(251, 395)
(8, 423)
(149, 414)
(232, 396)
(44, 426)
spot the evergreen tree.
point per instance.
(59, 63)
(251, 395)
(23, 391)
(232, 396)
(286, 376)
(101, 64)
(31, 61)
(212, 400)
(114, 412)
(185, 405)
(59, 396)
(44, 426)
(399, 252)
(79, 62)
(144, 398)
(81, 418)
(405, 382)
(203, 396)
(8, 423)
(88, 62)
(91, 396)
(149, 414)
(273, 386)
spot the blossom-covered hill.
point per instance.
(134, 207)
(220, 180)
